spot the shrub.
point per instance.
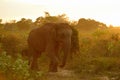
(98, 65)
(17, 69)
(75, 41)
(12, 43)
(103, 64)
(14, 68)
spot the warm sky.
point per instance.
(106, 11)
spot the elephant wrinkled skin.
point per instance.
(50, 38)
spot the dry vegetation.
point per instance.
(98, 58)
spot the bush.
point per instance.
(12, 43)
(16, 69)
(98, 65)
(103, 64)
(75, 41)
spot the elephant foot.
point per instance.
(53, 69)
(53, 66)
(34, 68)
(61, 66)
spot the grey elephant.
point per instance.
(51, 38)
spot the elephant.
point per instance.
(50, 38)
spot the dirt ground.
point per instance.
(64, 75)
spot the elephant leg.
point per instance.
(34, 64)
(34, 60)
(54, 64)
(51, 52)
(66, 50)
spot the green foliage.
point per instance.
(5, 62)
(16, 68)
(21, 67)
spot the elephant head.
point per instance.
(51, 38)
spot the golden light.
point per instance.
(100, 10)
(28, 1)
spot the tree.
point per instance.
(90, 24)
(24, 24)
(48, 18)
(11, 26)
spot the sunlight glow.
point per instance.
(100, 10)
(27, 1)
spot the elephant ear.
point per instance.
(54, 32)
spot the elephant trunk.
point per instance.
(66, 51)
